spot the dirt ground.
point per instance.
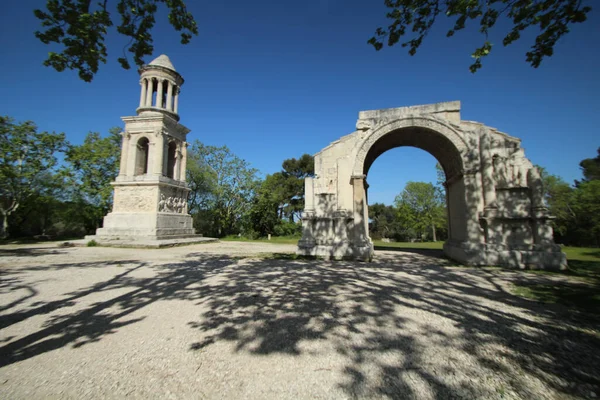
(225, 321)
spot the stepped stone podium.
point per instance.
(150, 192)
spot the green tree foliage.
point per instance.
(412, 20)
(94, 165)
(280, 200)
(590, 167)
(291, 184)
(81, 26)
(558, 196)
(265, 215)
(421, 207)
(384, 222)
(224, 189)
(27, 165)
(587, 211)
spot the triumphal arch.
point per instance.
(494, 195)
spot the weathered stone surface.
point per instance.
(493, 191)
(150, 193)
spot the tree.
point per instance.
(587, 210)
(384, 221)
(27, 161)
(81, 27)
(591, 168)
(420, 206)
(550, 18)
(265, 214)
(93, 166)
(230, 183)
(558, 196)
(294, 172)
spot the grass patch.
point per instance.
(380, 245)
(582, 293)
(274, 240)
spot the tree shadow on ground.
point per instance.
(426, 252)
(403, 325)
(30, 252)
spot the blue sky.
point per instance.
(276, 79)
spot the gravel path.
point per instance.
(222, 321)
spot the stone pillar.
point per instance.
(131, 156)
(169, 96)
(124, 153)
(177, 169)
(158, 156)
(144, 84)
(309, 194)
(159, 93)
(360, 231)
(183, 161)
(536, 188)
(176, 106)
(487, 172)
(149, 91)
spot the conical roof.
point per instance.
(162, 61)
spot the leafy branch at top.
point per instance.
(81, 27)
(413, 19)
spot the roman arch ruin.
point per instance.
(494, 195)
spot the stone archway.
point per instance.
(494, 194)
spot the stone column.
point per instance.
(124, 153)
(159, 153)
(177, 169)
(143, 83)
(131, 157)
(159, 94)
(309, 195)
(184, 146)
(149, 91)
(487, 172)
(360, 230)
(169, 96)
(176, 106)
(536, 187)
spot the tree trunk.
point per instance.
(4, 228)
(433, 232)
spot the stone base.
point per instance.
(336, 250)
(145, 226)
(537, 257)
(143, 243)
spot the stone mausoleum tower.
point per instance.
(150, 192)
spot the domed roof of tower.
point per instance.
(162, 61)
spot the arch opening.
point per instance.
(141, 158)
(445, 152)
(406, 197)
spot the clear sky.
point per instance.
(276, 79)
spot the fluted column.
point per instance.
(169, 96)
(144, 84)
(159, 94)
(183, 161)
(487, 172)
(177, 169)
(124, 153)
(176, 106)
(149, 91)
(159, 154)
(361, 230)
